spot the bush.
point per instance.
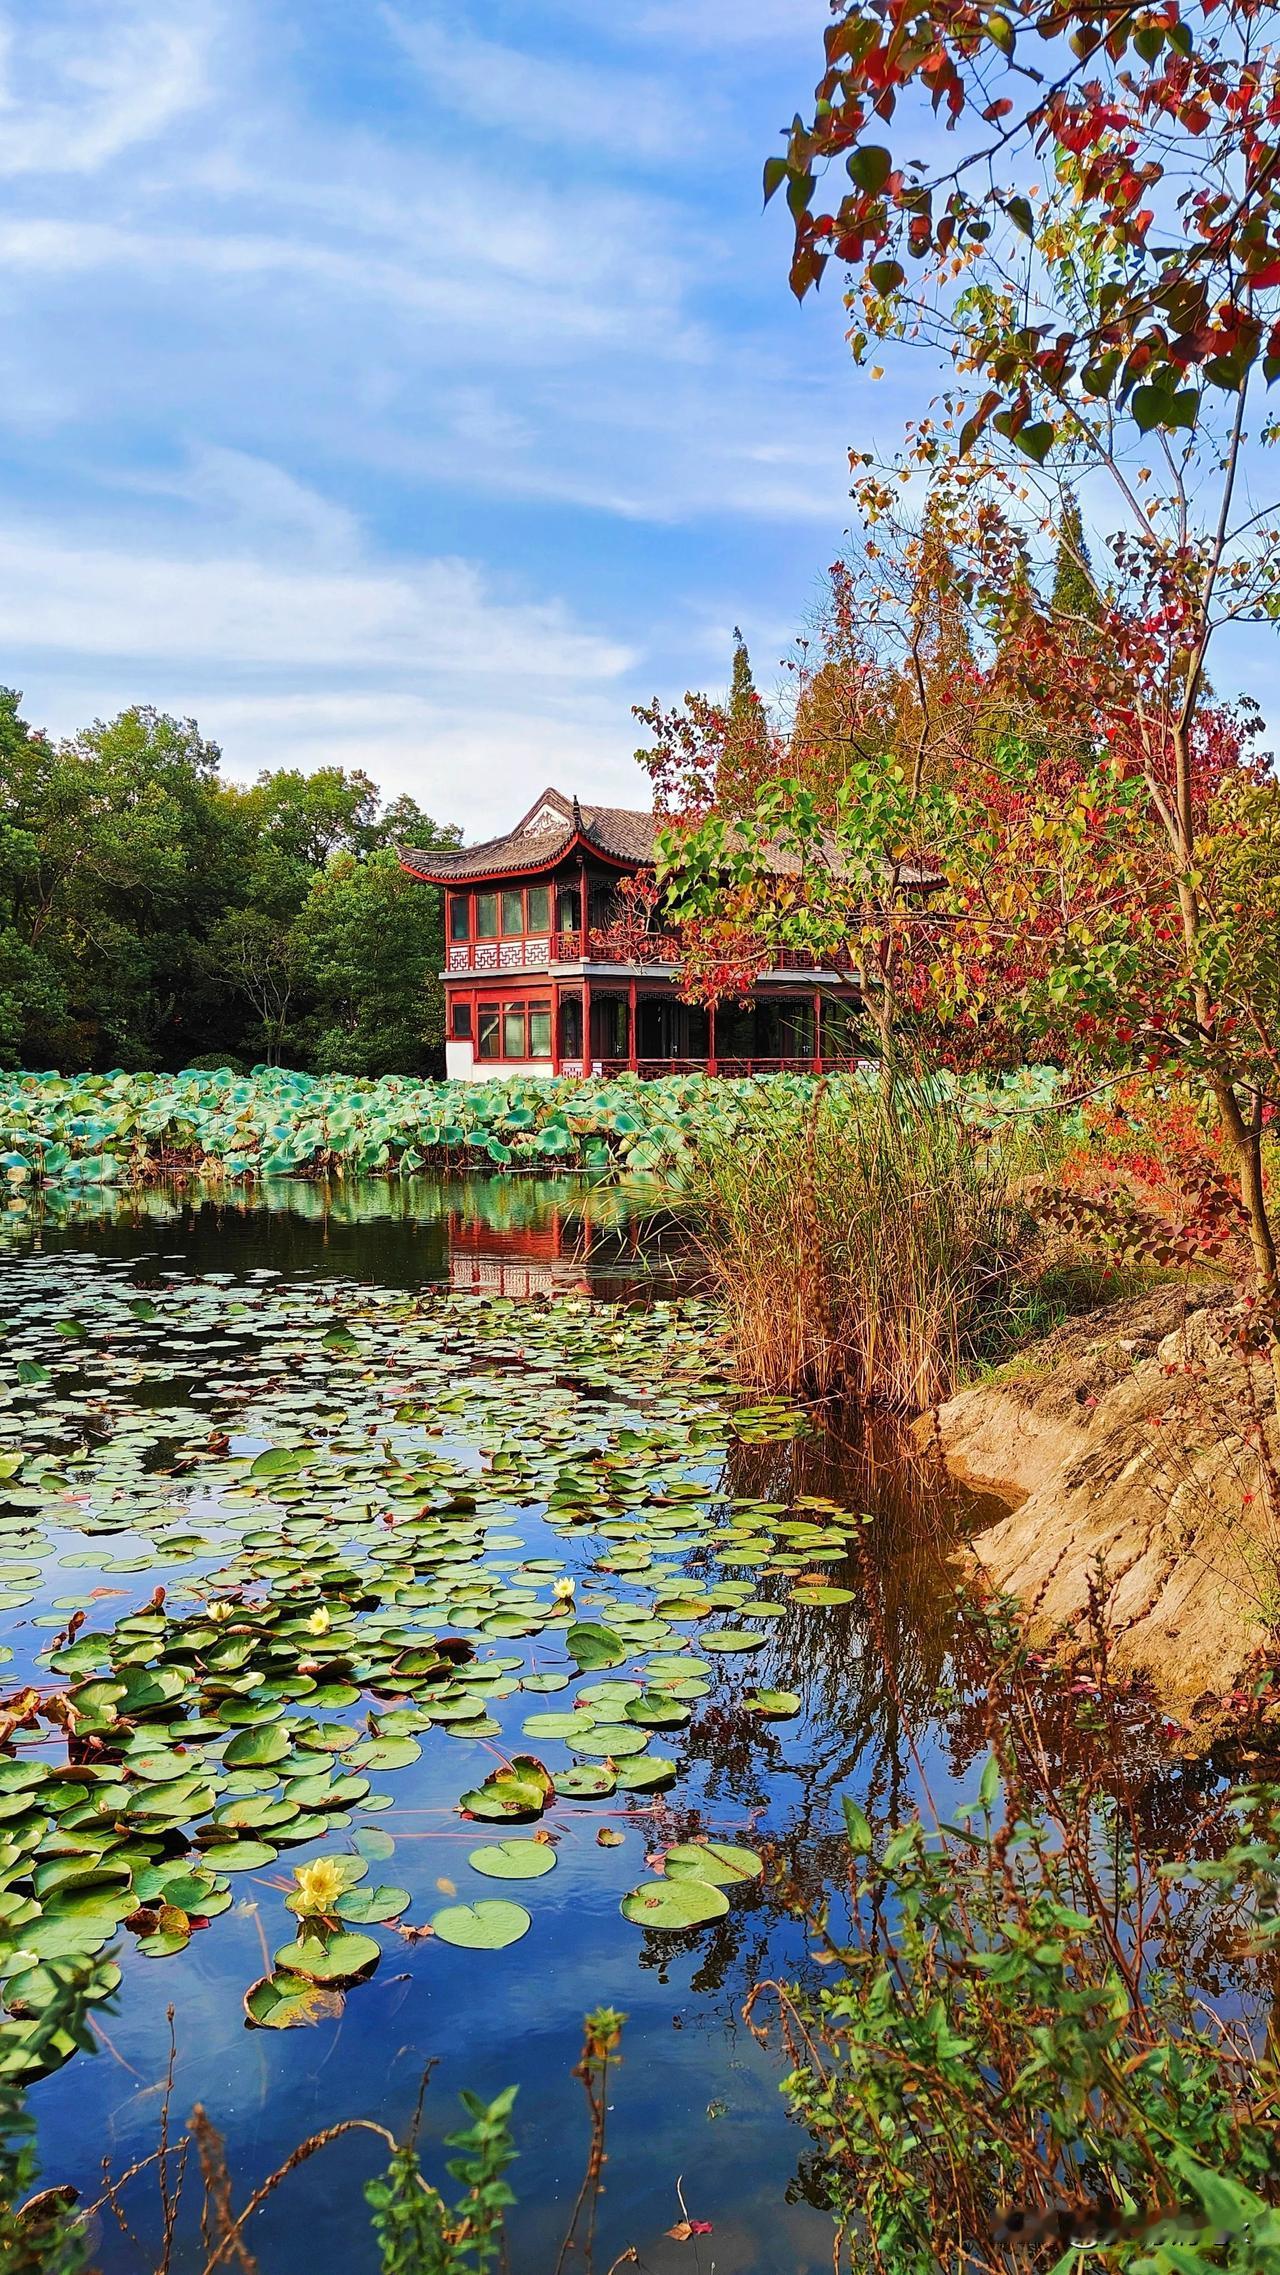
(1046, 2025)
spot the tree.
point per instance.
(370, 945)
(1074, 598)
(149, 910)
(747, 756)
(1097, 276)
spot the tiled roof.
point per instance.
(552, 823)
(620, 831)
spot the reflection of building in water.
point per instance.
(534, 1259)
(557, 1250)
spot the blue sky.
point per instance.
(414, 386)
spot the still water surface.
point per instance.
(696, 2098)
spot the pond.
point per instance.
(435, 1475)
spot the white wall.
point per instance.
(462, 1065)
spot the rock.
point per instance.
(1127, 1441)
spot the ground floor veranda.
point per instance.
(613, 1026)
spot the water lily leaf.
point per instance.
(591, 1645)
(588, 1782)
(821, 1595)
(489, 1925)
(715, 1861)
(729, 1639)
(647, 1775)
(774, 1705)
(257, 1748)
(520, 1789)
(611, 1741)
(513, 1860)
(242, 1856)
(333, 1956)
(287, 2002)
(674, 1904)
(279, 1461)
(372, 1906)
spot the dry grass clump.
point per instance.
(859, 1245)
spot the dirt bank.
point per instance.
(1128, 1441)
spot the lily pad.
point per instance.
(489, 1925)
(287, 2002)
(717, 1862)
(672, 1905)
(336, 1957)
(513, 1860)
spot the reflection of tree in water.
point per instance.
(868, 1674)
(900, 1672)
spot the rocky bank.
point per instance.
(1128, 1443)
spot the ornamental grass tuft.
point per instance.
(860, 1245)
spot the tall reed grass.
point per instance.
(859, 1245)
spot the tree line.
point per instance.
(155, 914)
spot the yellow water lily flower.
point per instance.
(319, 1622)
(319, 1886)
(562, 1589)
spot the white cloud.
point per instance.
(84, 85)
(427, 617)
(478, 763)
(514, 92)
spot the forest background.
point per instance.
(153, 914)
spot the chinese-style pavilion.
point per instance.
(544, 977)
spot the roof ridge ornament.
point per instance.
(577, 813)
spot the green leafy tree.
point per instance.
(369, 944)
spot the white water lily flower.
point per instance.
(319, 1622)
(562, 1589)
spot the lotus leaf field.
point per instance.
(263, 1543)
(116, 1129)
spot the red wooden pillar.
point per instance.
(817, 1030)
(586, 1022)
(631, 1025)
(711, 1038)
(582, 907)
(555, 1027)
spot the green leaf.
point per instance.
(592, 1646)
(513, 1860)
(489, 1925)
(279, 1461)
(870, 166)
(719, 1863)
(861, 1839)
(286, 2002)
(775, 174)
(1036, 439)
(674, 1905)
(330, 1956)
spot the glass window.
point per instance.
(568, 914)
(538, 898)
(513, 1031)
(486, 916)
(490, 1032)
(459, 916)
(512, 913)
(539, 1030)
(460, 1025)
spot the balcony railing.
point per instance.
(651, 1069)
(608, 947)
